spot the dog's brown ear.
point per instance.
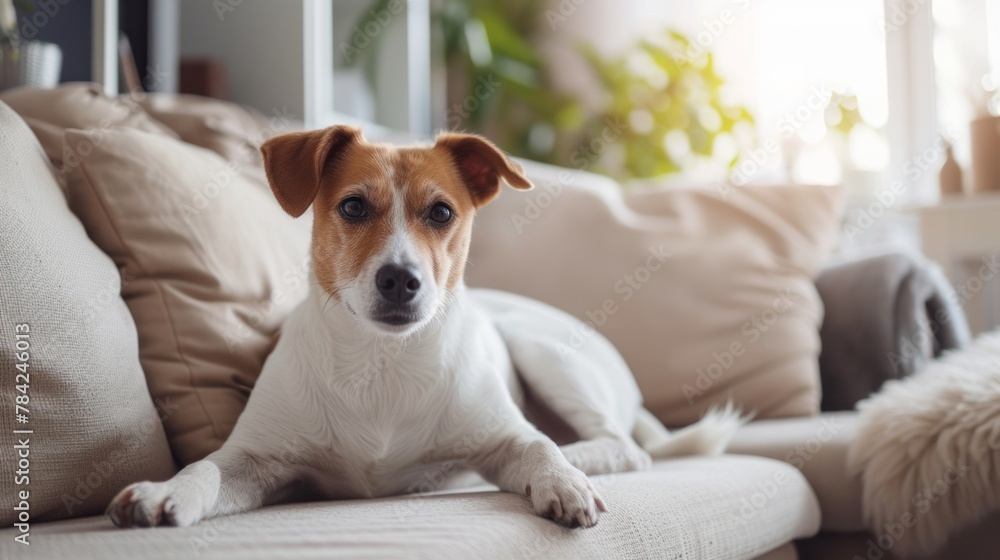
(295, 163)
(482, 165)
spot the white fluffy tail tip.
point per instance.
(708, 436)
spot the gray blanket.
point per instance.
(887, 315)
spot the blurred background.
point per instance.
(895, 100)
(815, 91)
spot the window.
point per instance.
(966, 87)
(821, 88)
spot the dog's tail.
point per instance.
(708, 436)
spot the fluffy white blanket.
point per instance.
(928, 450)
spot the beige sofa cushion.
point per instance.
(230, 130)
(77, 105)
(95, 427)
(707, 294)
(817, 446)
(214, 266)
(736, 508)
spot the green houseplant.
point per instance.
(669, 99)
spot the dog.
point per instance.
(392, 371)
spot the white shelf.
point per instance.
(962, 234)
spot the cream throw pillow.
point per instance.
(49, 111)
(708, 294)
(213, 267)
(95, 428)
(233, 131)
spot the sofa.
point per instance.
(781, 491)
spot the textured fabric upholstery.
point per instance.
(888, 315)
(95, 426)
(708, 295)
(692, 509)
(818, 447)
(215, 267)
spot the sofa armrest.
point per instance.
(887, 315)
(817, 446)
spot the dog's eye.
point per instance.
(440, 213)
(353, 208)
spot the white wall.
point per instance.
(260, 42)
(389, 105)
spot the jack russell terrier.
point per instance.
(391, 372)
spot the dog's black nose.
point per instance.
(398, 284)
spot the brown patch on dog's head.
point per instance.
(377, 206)
(296, 163)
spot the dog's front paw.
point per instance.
(566, 497)
(149, 504)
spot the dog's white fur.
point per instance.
(349, 407)
(928, 449)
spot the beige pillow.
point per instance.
(230, 130)
(708, 294)
(77, 105)
(95, 427)
(214, 264)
